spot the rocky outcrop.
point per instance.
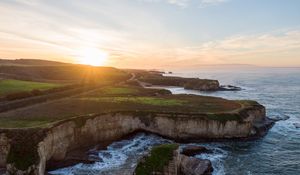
(229, 88)
(192, 150)
(179, 164)
(297, 125)
(172, 167)
(202, 85)
(71, 134)
(158, 79)
(194, 166)
(187, 83)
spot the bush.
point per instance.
(159, 157)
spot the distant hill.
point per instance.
(228, 66)
(51, 71)
(30, 62)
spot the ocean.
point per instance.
(278, 153)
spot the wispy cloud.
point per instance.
(187, 3)
(181, 3)
(204, 3)
(281, 47)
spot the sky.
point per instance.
(153, 33)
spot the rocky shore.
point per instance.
(54, 143)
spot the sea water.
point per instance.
(278, 153)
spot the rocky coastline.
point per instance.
(148, 79)
(54, 143)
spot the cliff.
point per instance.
(53, 143)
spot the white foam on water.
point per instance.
(216, 157)
(118, 154)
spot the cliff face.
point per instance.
(81, 132)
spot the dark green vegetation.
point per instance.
(9, 86)
(23, 156)
(158, 158)
(23, 152)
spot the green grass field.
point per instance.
(138, 100)
(12, 86)
(118, 99)
(119, 90)
(112, 91)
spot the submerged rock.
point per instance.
(278, 118)
(229, 88)
(297, 125)
(262, 127)
(193, 150)
(194, 166)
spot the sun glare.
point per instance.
(93, 57)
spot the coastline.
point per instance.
(184, 128)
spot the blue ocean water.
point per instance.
(278, 153)
(278, 89)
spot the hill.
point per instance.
(50, 71)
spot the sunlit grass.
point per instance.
(119, 90)
(13, 86)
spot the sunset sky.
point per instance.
(152, 33)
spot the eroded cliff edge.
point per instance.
(26, 151)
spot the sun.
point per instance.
(93, 57)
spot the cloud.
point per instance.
(181, 3)
(187, 3)
(204, 3)
(271, 49)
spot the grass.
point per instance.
(120, 99)
(247, 102)
(21, 123)
(158, 159)
(12, 86)
(155, 101)
(126, 91)
(119, 90)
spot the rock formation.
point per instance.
(178, 164)
(192, 150)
